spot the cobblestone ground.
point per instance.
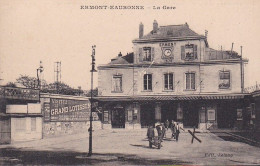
(117, 147)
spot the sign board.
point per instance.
(16, 109)
(68, 110)
(34, 108)
(253, 113)
(211, 114)
(106, 116)
(239, 114)
(130, 115)
(47, 112)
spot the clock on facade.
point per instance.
(168, 52)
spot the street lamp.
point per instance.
(91, 99)
(40, 69)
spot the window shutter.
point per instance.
(193, 81)
(182, 52)
(150, 82)
(140, 54)
(187, 81)
(152, 53)
(195, 52)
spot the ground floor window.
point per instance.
(190, 81)
(168, 81)
(148, 82)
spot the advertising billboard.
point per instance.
(68, 110)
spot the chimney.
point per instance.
(186, 24)
(155, 26)
(141, 30)
(120, 54)
(206, 34)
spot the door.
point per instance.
(5, 130)
(118, 118)
(147, 115)
(169, 111)
(190, 114)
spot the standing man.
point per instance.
(158, 127)
(167, 123)
(178, 131)
(150, 135)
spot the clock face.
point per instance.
(168, 52)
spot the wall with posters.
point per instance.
(63, 114)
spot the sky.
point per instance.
(54, 30)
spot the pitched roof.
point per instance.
(118, 60)
(128, 58)
(172, 31)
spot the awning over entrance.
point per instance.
(173, 97)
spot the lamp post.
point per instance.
(40, 69)
(91, 99)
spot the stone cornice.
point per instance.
(168, 39)
(212, 62)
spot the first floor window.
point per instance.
(117, 83)
(190, 81)
(147, 54)
(189, 52)
(168, 81)
(224, 77)
(148, 82)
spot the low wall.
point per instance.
(53, 129)
(22, 129)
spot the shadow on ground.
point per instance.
(12, 156)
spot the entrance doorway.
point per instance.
(118, 118)
(5, 130)
(147, 115)
(226, 114)
(169, 111)
(190, 114)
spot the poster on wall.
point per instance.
(239, 114)
(47, 112)
(68, 110)
(211, 114)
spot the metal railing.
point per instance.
(251, 89)
(19, 93)
(220, 55)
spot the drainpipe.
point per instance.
(242, 72)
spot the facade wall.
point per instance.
(23, 129)
(210, 78)
(105, 81)
(158, 53)
(54, 129)
(207, 79)
(182, 57)
(257, 113)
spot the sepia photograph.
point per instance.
(169, 82)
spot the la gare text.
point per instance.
(114, 7)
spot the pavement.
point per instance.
(129, 147)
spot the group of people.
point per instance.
(161, 131)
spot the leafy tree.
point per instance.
(56, 87)
(94, 92)
(28, 82)
(11, 84)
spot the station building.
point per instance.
(173, 74)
